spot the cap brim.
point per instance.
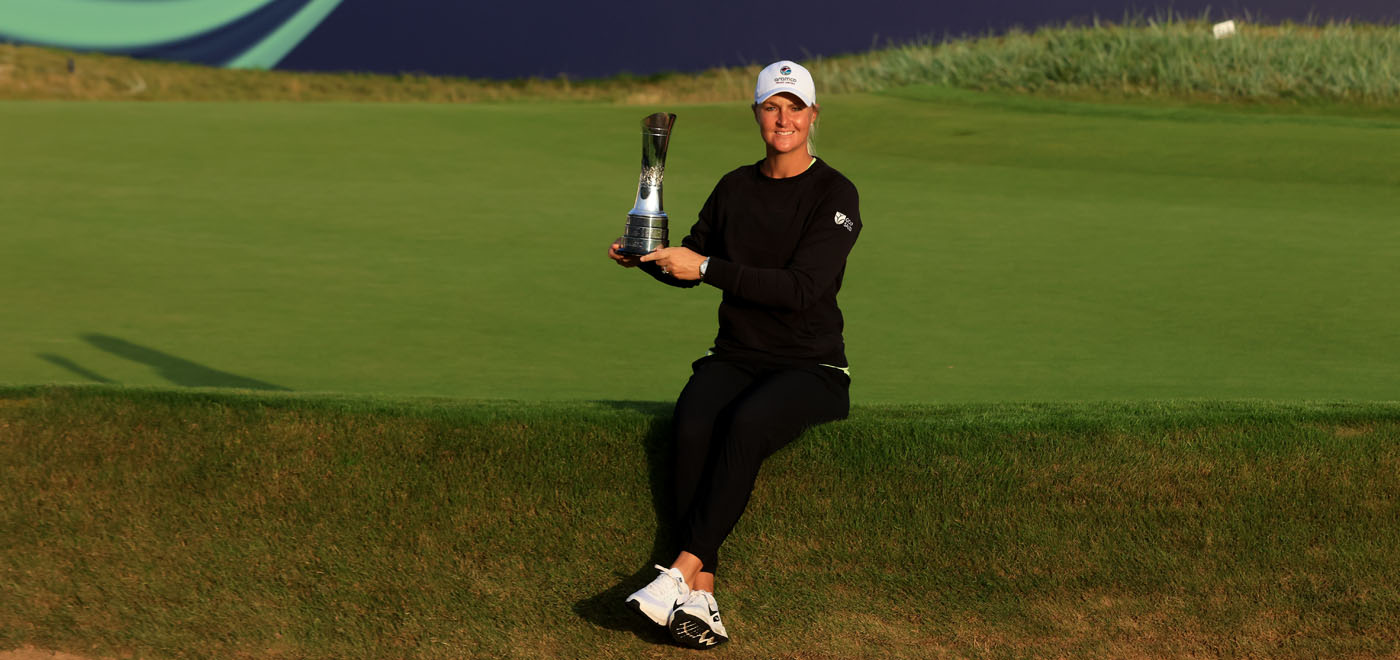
(772, 92)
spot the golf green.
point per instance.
(1014, 250)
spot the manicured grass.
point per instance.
(203, 524)
(1015, 249)
(1176, 287)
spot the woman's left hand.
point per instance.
(679, 262)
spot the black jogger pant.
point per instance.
(729, 418)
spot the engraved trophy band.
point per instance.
(646, 222)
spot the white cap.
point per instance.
(785, 76)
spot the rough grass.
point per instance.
(1167, 58)
(1337, 62)
(179, 524)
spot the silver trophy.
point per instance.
(646, 222)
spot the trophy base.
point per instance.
(640, 246)
(643, 235)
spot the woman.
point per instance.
(773, 236)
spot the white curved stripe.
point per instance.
(106, 24)
(268, 52)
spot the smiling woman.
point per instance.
(787, 116)
(774, 237)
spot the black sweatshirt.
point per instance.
(777, 250)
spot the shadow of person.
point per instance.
(606, 609)
(177, 370)
(74, 367)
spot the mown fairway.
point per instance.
(1014, 250)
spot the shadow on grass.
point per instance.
(179, 371)
(606, 609)
(74, 367)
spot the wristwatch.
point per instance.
(704, 265)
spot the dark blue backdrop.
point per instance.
(547, 38)
(591, 39)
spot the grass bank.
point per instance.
(179, 524)
(1170, 58)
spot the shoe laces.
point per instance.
(707, 597)
(659, 588)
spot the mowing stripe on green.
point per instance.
(1015, 249)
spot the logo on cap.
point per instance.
(785, 70)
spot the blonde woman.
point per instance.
(774, 237)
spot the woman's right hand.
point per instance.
(624, 260)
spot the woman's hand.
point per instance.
(679, 262)
(624, 260)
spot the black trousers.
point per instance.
(729, 418)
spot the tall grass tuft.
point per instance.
(1337, 62)
(1140, 58)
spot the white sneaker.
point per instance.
(695, 622)
(656, 600)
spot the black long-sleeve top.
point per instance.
(777, 250)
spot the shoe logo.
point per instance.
(844, 221)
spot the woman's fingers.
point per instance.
(624, 260)
(658, 254)
(659, 257)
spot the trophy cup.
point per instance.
(646, 222)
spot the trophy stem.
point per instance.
(646, 229)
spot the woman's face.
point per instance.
(784, 121)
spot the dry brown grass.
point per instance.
(28, 72)
(32, 653)
(268, 532)
(1142, 60)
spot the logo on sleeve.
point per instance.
(844, 221)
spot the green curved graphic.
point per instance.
(98, 24)
(268, 52)
(127, 24)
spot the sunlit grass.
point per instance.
(175, 524)
(1337, 62)
(1170, 58)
